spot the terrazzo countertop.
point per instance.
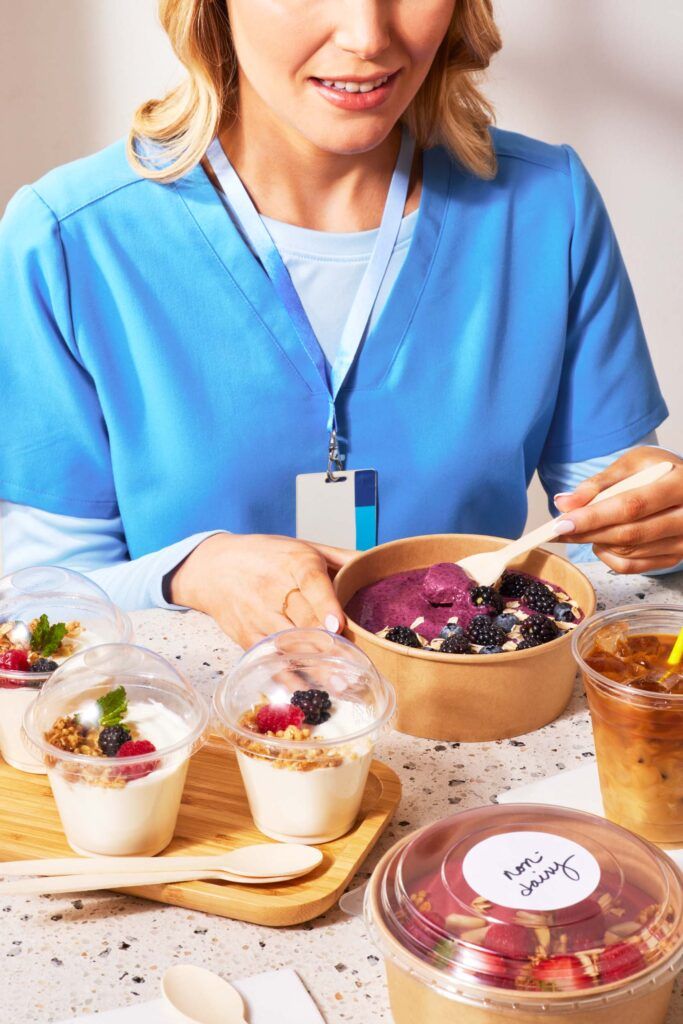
(64, 956)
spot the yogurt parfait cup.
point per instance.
(527, 914)
(115, 727)
(636, 705)
(303, 710)
(47, 614)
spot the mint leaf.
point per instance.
(47, 639)
(113, 707)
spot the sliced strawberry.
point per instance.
(278, 717)
(584, 925)
(488, 967)
(511, 940)
(620, 961)
(561, 974)
(134, 748)
(14, 661)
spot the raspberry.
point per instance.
(620, 961)
(278, 717)
(561, 974)
(14, 661)
(134, 748)
(403, 635)
(511, 940)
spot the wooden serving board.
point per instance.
(214, 817)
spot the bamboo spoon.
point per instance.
(488, 567)
(201, 996)
(128, 880)
(263, 860)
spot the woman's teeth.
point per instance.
(355, 86)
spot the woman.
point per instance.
(179, 344)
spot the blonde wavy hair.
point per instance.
(447, 110)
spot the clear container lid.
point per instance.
(65, 598)
(525, 904)
(110, 686)
(302, 668)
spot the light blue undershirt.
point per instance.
(326, 269)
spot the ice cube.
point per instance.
(644, 645)
(611, 638)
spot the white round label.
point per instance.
(531, 870)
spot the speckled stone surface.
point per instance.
(62, 956)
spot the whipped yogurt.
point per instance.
(312, 804)
(14, 700)
(136, 817)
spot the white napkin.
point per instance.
(275, 996)
(578, 789)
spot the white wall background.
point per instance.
(604, 75)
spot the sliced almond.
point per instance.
(625, 928)
(477, 935)
(463, 921)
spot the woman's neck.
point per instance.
(292, 180)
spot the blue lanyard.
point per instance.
(248, 218)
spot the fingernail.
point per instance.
(564, 526)
(331, 623)
(562, 494)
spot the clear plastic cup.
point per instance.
(110, 803)
(63, 596)
(638, 733)
(521, 914)
(305, 782)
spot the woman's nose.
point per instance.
(363, 27)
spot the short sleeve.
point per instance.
(608, 396)
(54, 453)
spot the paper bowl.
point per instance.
(468, 697)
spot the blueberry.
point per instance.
(451, 629)
(563, 612)
(491, 649)
(506, 622)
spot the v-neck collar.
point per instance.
(377, 353)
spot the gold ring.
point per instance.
(286, 599)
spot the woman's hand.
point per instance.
(636, 531)
(254, 584)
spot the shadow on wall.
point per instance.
(47, 87)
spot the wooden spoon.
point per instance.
(488, 567)
(201, 996)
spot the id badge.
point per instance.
(340, 512)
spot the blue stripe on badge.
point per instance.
(366, 509)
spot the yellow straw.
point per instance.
(676, 655)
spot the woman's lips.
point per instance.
(356, 100)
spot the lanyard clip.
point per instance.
(335, 460)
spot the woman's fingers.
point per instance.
(299, 612)
(628, 507)
(638, 564)
(635, 534)
(618, 470)
(316, 586)
(335, 557)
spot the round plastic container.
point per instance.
(113, 805)
(304, 784)
(527, 913)
(638, 733)
(64, 597)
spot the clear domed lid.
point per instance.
(528, 899)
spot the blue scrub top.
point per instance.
(150, 370)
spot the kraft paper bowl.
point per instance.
(468, 697)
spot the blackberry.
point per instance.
(457, 643)
(315, 705)
(487, 596)
(524, 645)
(491, 649)
(451, 629)
(43, 665)
(563, 612)
(481, 630)
(403, 635)
(539, 628)
(505, 622)
(112, 738)
(513, 584)
(540, 598)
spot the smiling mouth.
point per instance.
(346, 85)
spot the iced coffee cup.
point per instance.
(526, 914)
(115, 727)
(636, 705)
(46, 614)
(303, 710)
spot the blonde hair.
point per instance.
(448, 109)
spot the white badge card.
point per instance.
(341, 512)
